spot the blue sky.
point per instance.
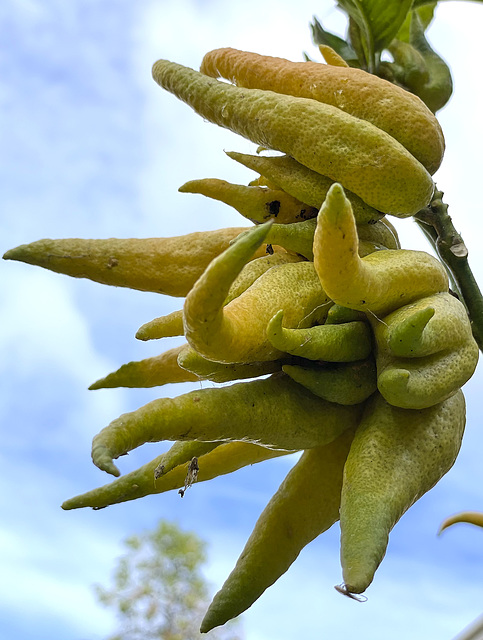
(93, 148)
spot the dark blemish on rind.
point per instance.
(158, 472)
(308, 214)
(273, 207)
(112, 262)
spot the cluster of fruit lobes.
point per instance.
(364, 348)
(365, 458)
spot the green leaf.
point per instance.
(378, 20)
(356, 39)
(425, 13)
(421, 3)
(438, 89)
(340, 46)
(360, 31)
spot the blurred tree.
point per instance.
(158, 589)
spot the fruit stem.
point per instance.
(437, 226)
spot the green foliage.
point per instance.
(425, 14)
(378, 22)
(158, 590)
(430, 78)
(343, 48)
(397, 26)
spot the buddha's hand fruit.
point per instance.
(162, 265)
(364, 347)
(397, 455)
(379, 282)
(344, 383)
(329, 342)
(425, 351)
(237, 332)
(305, 505)
(217, 459)
(256, 203)
(388, 107)
(274, 405)
(364, 158)
(302, 183)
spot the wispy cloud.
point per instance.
(93, 148)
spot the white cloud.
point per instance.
(88, 149)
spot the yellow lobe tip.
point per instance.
(15, 254)
(336, 191)
(159, 64)
(102, 458)
(277, 319)
(189, 187)
(335, 205)
(207, 624)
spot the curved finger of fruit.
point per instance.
(346, 148)
(256, 203)
(205, 369)
(161, 265)
(172, 323)
(305, 505)
(396, 457)
(381, 281)
(338, 314)
(406, 336)
(234, 333)
(181, 453)
(302, 183)
(299, 237)
(346, 383)
(150, 372)
(163, 327)
(435, 323)
(332, 57)
(330, 342)
(417, 383)
(225, 458)
(205, 323)
(274, 404)
(366, 96)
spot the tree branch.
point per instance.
(437, 226)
